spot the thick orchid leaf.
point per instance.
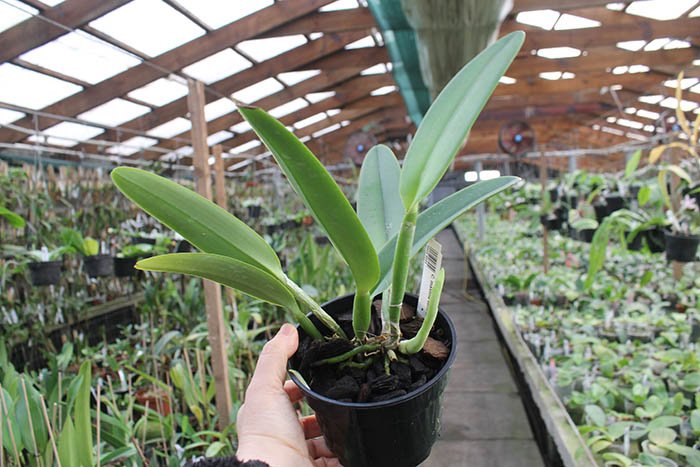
(633, 163)
(14, 219)
(379, 203)
(431, 221)
(83, 423)
(232, 273)
(446, 124)
(204, 224)
(320, 193)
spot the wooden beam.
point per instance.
(561, 5)
(606, 35)
(212, 291)
(37, 31)
(327, 22)
(194, 50)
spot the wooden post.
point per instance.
(545, 234)
(677, 266)
(480, 208)
(221, 201)
(212, 290)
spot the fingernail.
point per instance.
(287, 329)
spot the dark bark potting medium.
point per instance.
(368, 416)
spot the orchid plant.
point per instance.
(377, 242)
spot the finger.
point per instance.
(310, 426)
(271, 370)
(326, 462)
(295, 394)
(317, 448)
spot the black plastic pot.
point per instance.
(586, 235)
(124, 267)
(183, 246)
(656, 240)
(572, 201)
(98, 265)
(399, 432)
(554, 195)
(601, 211)
(254, 211)
(681, 248)
(45, 272)
(614, 202)
(321, 240)
(636, 244)
(551, 222)
(146, 240)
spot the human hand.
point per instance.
(269, 429)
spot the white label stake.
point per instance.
(432, 261)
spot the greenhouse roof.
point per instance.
(105, 78)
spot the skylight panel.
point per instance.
(131, 146)
(383, 90)
(150, 26)
(612, 131)
(332, 112)
(677, 44)
(695, 13)
(241, 127)
(651, 99)
(695, 89)
(52, 3)
(114, 112)
(67, 134)
(615, 6)
(685, 83)
(258, 91)
(551, 75)
(9, 116)
(630, 110)
(611, 119)
(365, 42)
(289, 107)
(567, 21)
(218, 108)
(169, 129)
(661, 10)
(216, 13)
(544, 19)
(378, 69)
(315, 97)
(632, 46)
(656, 44)
(13, 12)
(635, 136)
(264, 49)
(507, 80)
(558, 52)
(340, 5)
(630, 123)
(620, 70)
(291, 78)
(672, 103)
(28, 88)
(218, 137)
(315, 35)
(649, 128)
(638, 69)
(82, 56)
(246, 146)
(326, 130)
(648, 114)
(218, 66)
(310, 120)
(159, 92)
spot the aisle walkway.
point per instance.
(483, 421)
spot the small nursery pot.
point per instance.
(45, 272)
(124, 267)
(656, 240)
(681, 248)
(614, 203)
(399, 432)
(254, 211)
(98, 265)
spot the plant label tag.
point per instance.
(431, 265)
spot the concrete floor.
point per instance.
(483, 420)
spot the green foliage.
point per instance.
(75, 240)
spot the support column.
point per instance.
(545, 234)
(573, 163)
(480, 208)
(212, 291)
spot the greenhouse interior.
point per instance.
(356, 233)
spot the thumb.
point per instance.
(271, 369)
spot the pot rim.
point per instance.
(391, 402)
(36, 264)
(669, 233)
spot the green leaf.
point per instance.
(664, 422)
(67, 444)
(231, 273)
(615, 458)
(680, 172)
(695, 421)
(379, 203)
(633, 163)
(83, 424)
(214, 448)
(438, 216)
(14, 219)
(320, 193)
(91, 246)
(446, 124)
(662, 436)
(585, 223)
(644, 195)
(204, 224)
(597, 254)
(596, 415)
(26, 408)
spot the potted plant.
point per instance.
(395, 420)
(125, 260)
(254, 206)
(96, 264)
(44, 264)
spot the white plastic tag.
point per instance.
(432, 261)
